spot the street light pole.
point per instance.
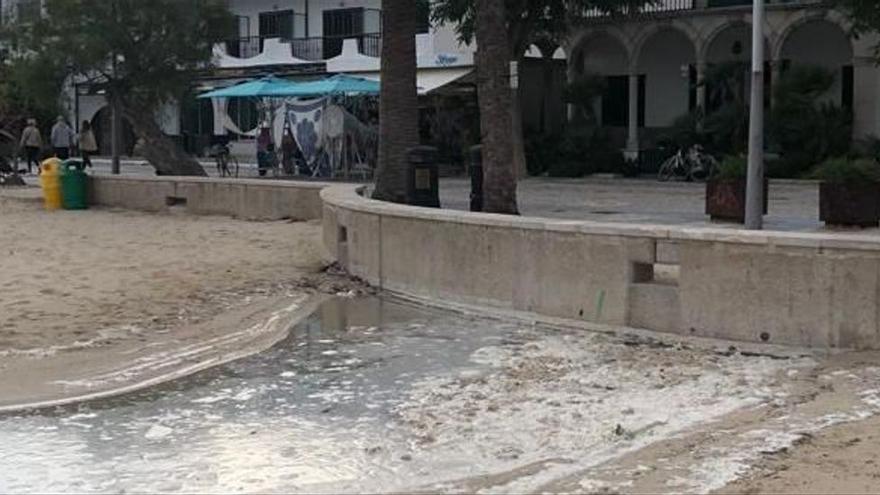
(755, 185)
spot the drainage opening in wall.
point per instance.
(342, 245)
(656, 273)
(175, 201)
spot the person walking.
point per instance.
(62, 139)
(265, 151)
(88, 146)
(32, 143)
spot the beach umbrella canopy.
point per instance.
(339, 84)
(260, 88)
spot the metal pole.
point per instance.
(755, 185)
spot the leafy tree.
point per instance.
(399, 105)
(142, 55)
(864, 14)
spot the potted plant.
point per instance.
(726, 190)
(849, 194)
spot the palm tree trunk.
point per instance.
(496, 100)
(518, 133)
(399, 104)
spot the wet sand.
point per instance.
(101, 299)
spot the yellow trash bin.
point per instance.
(50, 180)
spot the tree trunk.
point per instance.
(520, 165)
(399, 104)
(160, 151)
(496, 98)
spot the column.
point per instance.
(866, 97)
(632, 141)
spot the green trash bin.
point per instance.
(74, 186)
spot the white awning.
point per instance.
(430, 80)
(433, 79)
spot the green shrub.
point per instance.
(806, 129)
(732, 167)
(868, 147)
(542, 150)
(844, 170)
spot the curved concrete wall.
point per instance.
(811, 290)
(240, 198)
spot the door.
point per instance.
(278, 24)
(339, 25)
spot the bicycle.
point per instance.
(227, 163)
(690, 166)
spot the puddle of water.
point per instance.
(372, 395)
(315, 411)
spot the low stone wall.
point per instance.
(811, 290)
(239, 198)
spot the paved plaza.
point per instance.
(794, 205)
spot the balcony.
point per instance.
(665, 8)
(317, 49)
(312, 49)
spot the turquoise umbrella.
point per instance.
(265, 87)
(339, 84)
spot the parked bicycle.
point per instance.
(692, 165)
(227, 163)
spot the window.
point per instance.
(423, 9)
(277, 24)
(342, 24)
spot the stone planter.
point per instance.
(851, 205)
(726, 199)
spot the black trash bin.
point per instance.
(424, 177)
(476, 173)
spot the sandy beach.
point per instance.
(87, 294)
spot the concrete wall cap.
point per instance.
(349, 197)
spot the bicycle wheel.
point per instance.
(668, 169)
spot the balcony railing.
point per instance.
(317, 49)
(661, 8)
(245, 47)
(311, 49)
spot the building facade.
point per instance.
(655, 62)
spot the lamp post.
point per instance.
(755, 185)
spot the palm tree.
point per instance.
(399, 105)
(493, 87)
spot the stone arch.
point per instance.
(613, 50)
(653, 29)
(579, 44)
(667, 59)
(835, 53)
(731, 32)
(560, 54)
(804, 17)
